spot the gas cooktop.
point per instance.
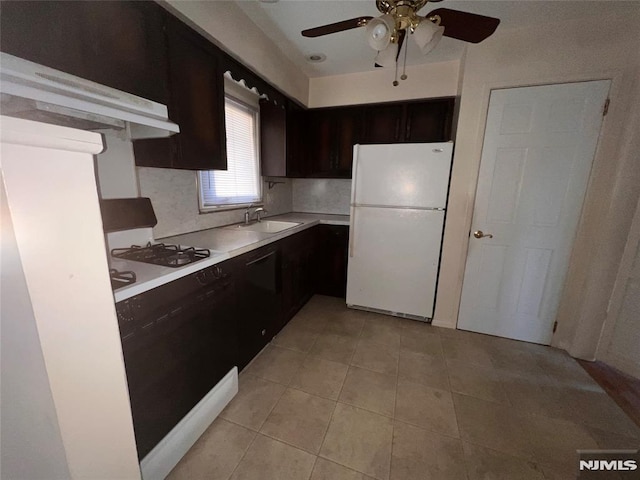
(121, 279)
(162, 254)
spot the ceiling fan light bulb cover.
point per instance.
(427, 35)
(387, 57)
(379, 31)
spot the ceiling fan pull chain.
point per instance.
(404, 65)
(395, 80)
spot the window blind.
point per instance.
(240, 183)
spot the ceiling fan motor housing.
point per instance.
(404, 12)
(387, 6)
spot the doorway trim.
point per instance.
(464, 179)
(513, 315)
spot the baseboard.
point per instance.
(166, 455)
(389, 312)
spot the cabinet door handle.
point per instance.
(397, 137)
(264, 257)
(407, 133)
(263, 332)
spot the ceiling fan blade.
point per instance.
(336, 27)
(465, 26)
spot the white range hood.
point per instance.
(40, 93)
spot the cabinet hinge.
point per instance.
(555, 326)
(605, 110)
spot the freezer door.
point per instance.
(393, 259)
(402, 175)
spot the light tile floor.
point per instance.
(344, 394)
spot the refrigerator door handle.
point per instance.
(352, 231)
(397, 207)
(354, 183)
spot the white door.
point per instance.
(538, 149)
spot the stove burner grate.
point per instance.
(121, 279)
(161, 254)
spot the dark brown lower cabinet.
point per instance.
(298, 254)
(333, 244)
(178, 340)
(274, 282)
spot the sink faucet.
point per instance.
(259, 211)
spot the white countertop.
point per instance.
(222, 242)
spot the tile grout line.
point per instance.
(257, 432)
(395, 403)
(324, 438)
(330, 418)
(287, 443)
(244, 454)
(455, 412)
(313, 467)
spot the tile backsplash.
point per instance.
(174, 196)
(321, 195)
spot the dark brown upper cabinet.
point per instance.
(273, 139)
(117, 44)
(282, 139)
(428, 121)
(196, 104)
(297, 134)
(383, 123)
(332, 133)
(415, 122)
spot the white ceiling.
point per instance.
(348, 52)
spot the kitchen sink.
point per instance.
(266, 226)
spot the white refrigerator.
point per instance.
(398, 203)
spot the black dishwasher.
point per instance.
(258, 300)
(179, 340)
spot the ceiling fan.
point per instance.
(387, 33)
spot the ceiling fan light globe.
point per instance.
(427, 35)
(379, 31)
(387, 57)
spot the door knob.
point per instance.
(481, 234)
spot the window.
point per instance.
(241, 183)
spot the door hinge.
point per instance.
(555, 327)
(605, 110)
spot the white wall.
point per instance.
(174, 198)
(620, 342)
(430, 80)
(598, 48)
(116, 168)
(321, 195)
(228, 27)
